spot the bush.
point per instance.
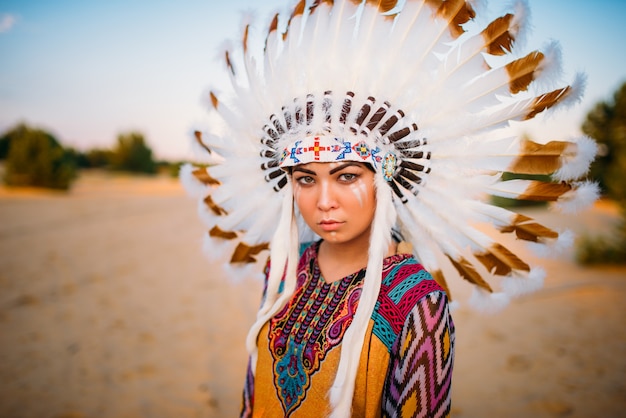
(603, 250)
(606, 123)
(132, 154)
(35, 158)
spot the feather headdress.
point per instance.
(428, 99)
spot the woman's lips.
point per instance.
(330, 225)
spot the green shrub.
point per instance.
(606, 123)
(132, 154)
(35, 158)
(609, 249)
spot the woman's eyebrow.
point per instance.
(303, 170)
(341, 167)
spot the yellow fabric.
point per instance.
(368, 392)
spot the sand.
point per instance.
(108, 309)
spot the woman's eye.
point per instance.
(348, 177)
(305, 180)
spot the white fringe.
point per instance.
(283, 252)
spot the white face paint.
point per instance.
(359, 189)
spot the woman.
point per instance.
(357, 122)
(404, 365)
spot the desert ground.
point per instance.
(109, 309)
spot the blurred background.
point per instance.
(109, 309)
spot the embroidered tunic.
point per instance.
(405, 368)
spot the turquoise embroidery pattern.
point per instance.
(305, 331)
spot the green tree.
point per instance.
(35, 158)
(606, 123)
(99, 158)
(4, 146)
(133, 154)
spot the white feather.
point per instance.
(194, 187)
(517, 285)
(577, 165)
(583, 195)
(461, 107)
(551, 248)
(488, 303)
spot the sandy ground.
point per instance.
(108, 309)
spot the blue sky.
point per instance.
(88, 70)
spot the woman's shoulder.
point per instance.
(405, 282)
(404, 276)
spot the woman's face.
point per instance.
(336, 200)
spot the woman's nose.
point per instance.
(327, 197)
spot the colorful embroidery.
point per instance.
(389, 166)
(295, 150)
(420, 369)
(410, 318)
(307, 329)
(317, 148)
(404, 284)
(362, 150)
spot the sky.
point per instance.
(87, 71)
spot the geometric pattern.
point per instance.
(404, 283)
(410, 318)
(420, 369)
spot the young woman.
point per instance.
(403, 364)
(358, 125)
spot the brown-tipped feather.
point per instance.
(297, 11)
(219, 211)
(273, 28)
(214, 100)
(383, 5)
(522, 71)
(246, 32)
(316, 4)
(501, 261)
(537, 158)
(458, 13)
(498, 39)
(217, 232)
(527, 229)
(198, 136)
(204, 177)
(229, 64)
(244, 253)
(469, 273)
(434, 4)
(441, 281)
(274, 24)
(546, 101)
(541, 191)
